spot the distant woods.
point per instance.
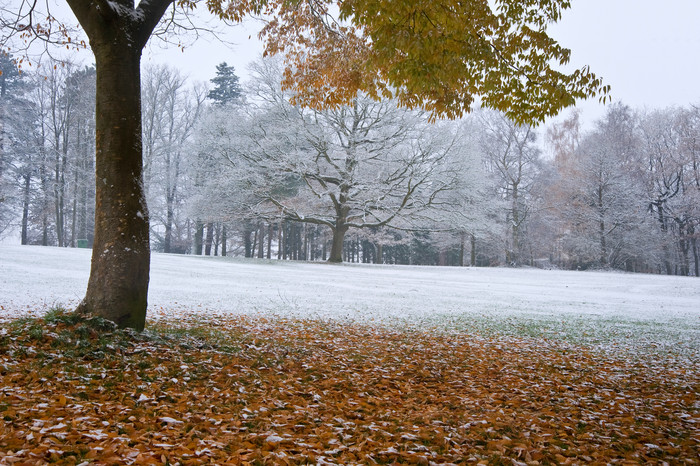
(233, 168)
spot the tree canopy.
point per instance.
(443, 56)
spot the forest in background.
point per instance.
(235, 169)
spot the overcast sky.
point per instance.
(647, 50)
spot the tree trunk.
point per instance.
(118, 285)
(224, 239)
(209, 240)
(170, 190)
(261, 241)
(280, 243)
(472, 253)
(217, 237)
(269, 241)
(664, 229)
(74, 216)
(198, 237)
(247, 243)
(305, 243)
(696, 256)
(25, 206)
(167, 242)
(337, 243)
(254, 243)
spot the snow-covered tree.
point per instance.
(171, 109)
(669, 149)
(513, 159)
(605, 205)
(362, 166)
(13, 113)
(227, 88)
(51, 155)
(473, 209)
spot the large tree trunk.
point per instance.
(118, 285)
(247, 242)
(337, 243)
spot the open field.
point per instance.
(616, 310)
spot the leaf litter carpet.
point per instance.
(251, 390)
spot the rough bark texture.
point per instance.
(198, 238)
(209, 239)
(337, 243)
(118, 285)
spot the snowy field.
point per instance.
(613, 310)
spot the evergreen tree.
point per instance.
(9, 74)
(227, 88)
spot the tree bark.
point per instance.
(247, 242)
(472, 252)
(209, 240)
(261, 241)
(280, 243)
(224, 241)
(269, 241)
(25, 206)
(696, 256)
(170, 214)
(337, 242)
(198, 237)
(118, 284)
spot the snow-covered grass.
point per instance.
(612, 310)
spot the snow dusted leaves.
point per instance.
(292, 391)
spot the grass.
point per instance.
(678, 338)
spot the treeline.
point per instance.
(235, 169)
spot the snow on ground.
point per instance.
(593, 307)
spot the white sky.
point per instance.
(647, 50)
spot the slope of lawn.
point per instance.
(247, 362)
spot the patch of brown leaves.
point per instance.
(257, 391)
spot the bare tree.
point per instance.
(669, 147)
(513, 158)
(362, 166)
(171, 109)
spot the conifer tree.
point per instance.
(8, 72)
(227, 88)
